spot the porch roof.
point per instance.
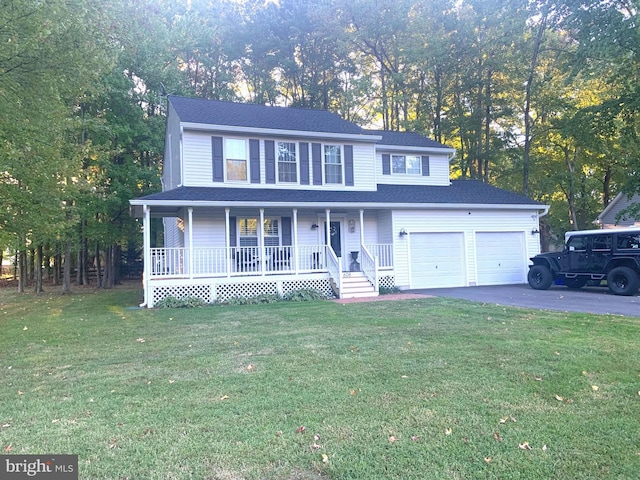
(460, 194)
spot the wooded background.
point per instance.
(538, 97)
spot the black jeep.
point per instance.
(589, 257)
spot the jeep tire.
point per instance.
(539, 277)
(622, 281)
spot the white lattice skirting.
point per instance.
(222, 292)
(388, 281)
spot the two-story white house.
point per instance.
(264, 200)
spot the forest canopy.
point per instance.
(538, 97)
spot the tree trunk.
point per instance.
(22, 270)
(528, 123)
(66, 276)
(99, 279)
(37, 274)
(487, 130)
(108, 268)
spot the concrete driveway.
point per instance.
(587, 299)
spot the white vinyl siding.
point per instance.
(198, 169)
(438, 171)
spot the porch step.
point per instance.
(356, 285)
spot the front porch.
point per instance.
(216, 274)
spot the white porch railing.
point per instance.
(384, 252)
(236, 261)
(333, 265)
(369, 266)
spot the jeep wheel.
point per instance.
(539, 277)
(622, 281)
(575, 283)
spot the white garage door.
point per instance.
(437, 260)
(501, 258)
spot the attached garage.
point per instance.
(501, 258)
(437, 260)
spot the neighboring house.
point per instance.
(608, 217)
(264, 200)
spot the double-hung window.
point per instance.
(236, 158)
(406, 164)
(248, 232)
(287, 162)
(332, 164)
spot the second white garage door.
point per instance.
(437, 260)
(501, 258)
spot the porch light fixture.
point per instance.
(314, 226)
(403, 232)
(535, 232)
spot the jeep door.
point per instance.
(600, 252)
(576, 256)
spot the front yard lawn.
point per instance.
(413, 389)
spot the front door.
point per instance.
(336, 235)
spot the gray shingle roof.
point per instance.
(213, 112)
(460, 192)
(406, 139)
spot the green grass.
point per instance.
(414, 389)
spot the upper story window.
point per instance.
(332, 164)
(407, 164)
(236, 158)
(287, 162)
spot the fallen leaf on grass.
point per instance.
(251, 368)
(524, 446)
(20, 392)
(301, 429)
(224, 397)
(497, 437)
(393, 439)
(537, 378)
(172, 381)
(595, 388)
(140, 340)
(448, 431)
(315, 446)
(487, 460)
(8, 448)
(559, 398)
(5, 425)
(416, 438)
(114, 443)
(544, 448)
(325, 458)
(352, 392)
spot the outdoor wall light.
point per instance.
(314, 226)
(403, 232)
(535, 232)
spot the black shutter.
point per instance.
(254, 160)
(386, 164)
(232, 232)
(270, 161)
(348, 165)
(316, 160)
(286, 231)
(218, 159)
(425, 166)
(304, 163)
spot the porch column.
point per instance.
(190, 216)
(146, 248)
(295, 240)
(263, 253)
(328, 226)
(227, 242)
(361, 227)
(327, 230)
